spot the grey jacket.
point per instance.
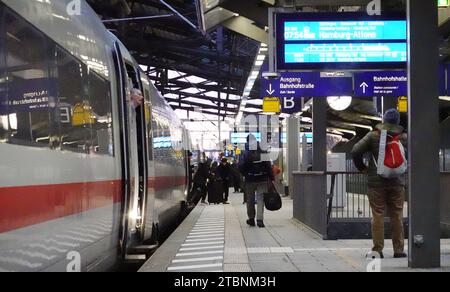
(371, 144)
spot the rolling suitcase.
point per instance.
(215, 192)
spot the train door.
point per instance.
(150, 220)
(134, 163)
(143, 132)
(138, 145)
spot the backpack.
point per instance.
(392, 161)
(256, 169)
(253, 156)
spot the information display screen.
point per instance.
(345, 53)
(345, 30)
(309, 137)
(309, 41)
(241, 138)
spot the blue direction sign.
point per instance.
(386, 83)
(290, 87)
(390, 83)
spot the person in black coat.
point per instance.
(199, 189)
(237, 178)
(215, 185)
(224, 172)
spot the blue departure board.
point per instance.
(345, 30)
(341, 53)
(353, 41)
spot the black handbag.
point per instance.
(272, 199)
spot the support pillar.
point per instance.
(319, 134)
(423, 93)
(293, 146)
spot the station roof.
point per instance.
(200, 53)
(193, 58)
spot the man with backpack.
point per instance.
(386, 178)
(257, 174)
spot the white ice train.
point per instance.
(84, 176)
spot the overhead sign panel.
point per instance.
(370, 84)
(345, 53)
(390, 83)
(344, 30)
(306, 84)
(348, 41)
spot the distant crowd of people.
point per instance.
(250, 174)
(210, 174)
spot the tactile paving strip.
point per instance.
(203, 248)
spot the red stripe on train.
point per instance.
(29, 205)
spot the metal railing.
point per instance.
(348, 196)
(310, 200)
(336, 204)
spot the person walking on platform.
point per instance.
(258, 175)
(215, 185)
(386, 180)
(237, 178)
(224, 172)
(199, 189)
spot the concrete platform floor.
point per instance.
(215, 238)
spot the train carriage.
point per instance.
(84, 173)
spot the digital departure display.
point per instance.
(241, 138)
(311, 41)
(309, 137)
(342, 53)
(345, 30)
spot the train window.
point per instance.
(76, 117)
(30, 92)
(100, 100)
(48, 98)
(132, 76)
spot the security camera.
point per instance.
(270, 75)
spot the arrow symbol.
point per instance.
(364, 87)
(270, 91)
